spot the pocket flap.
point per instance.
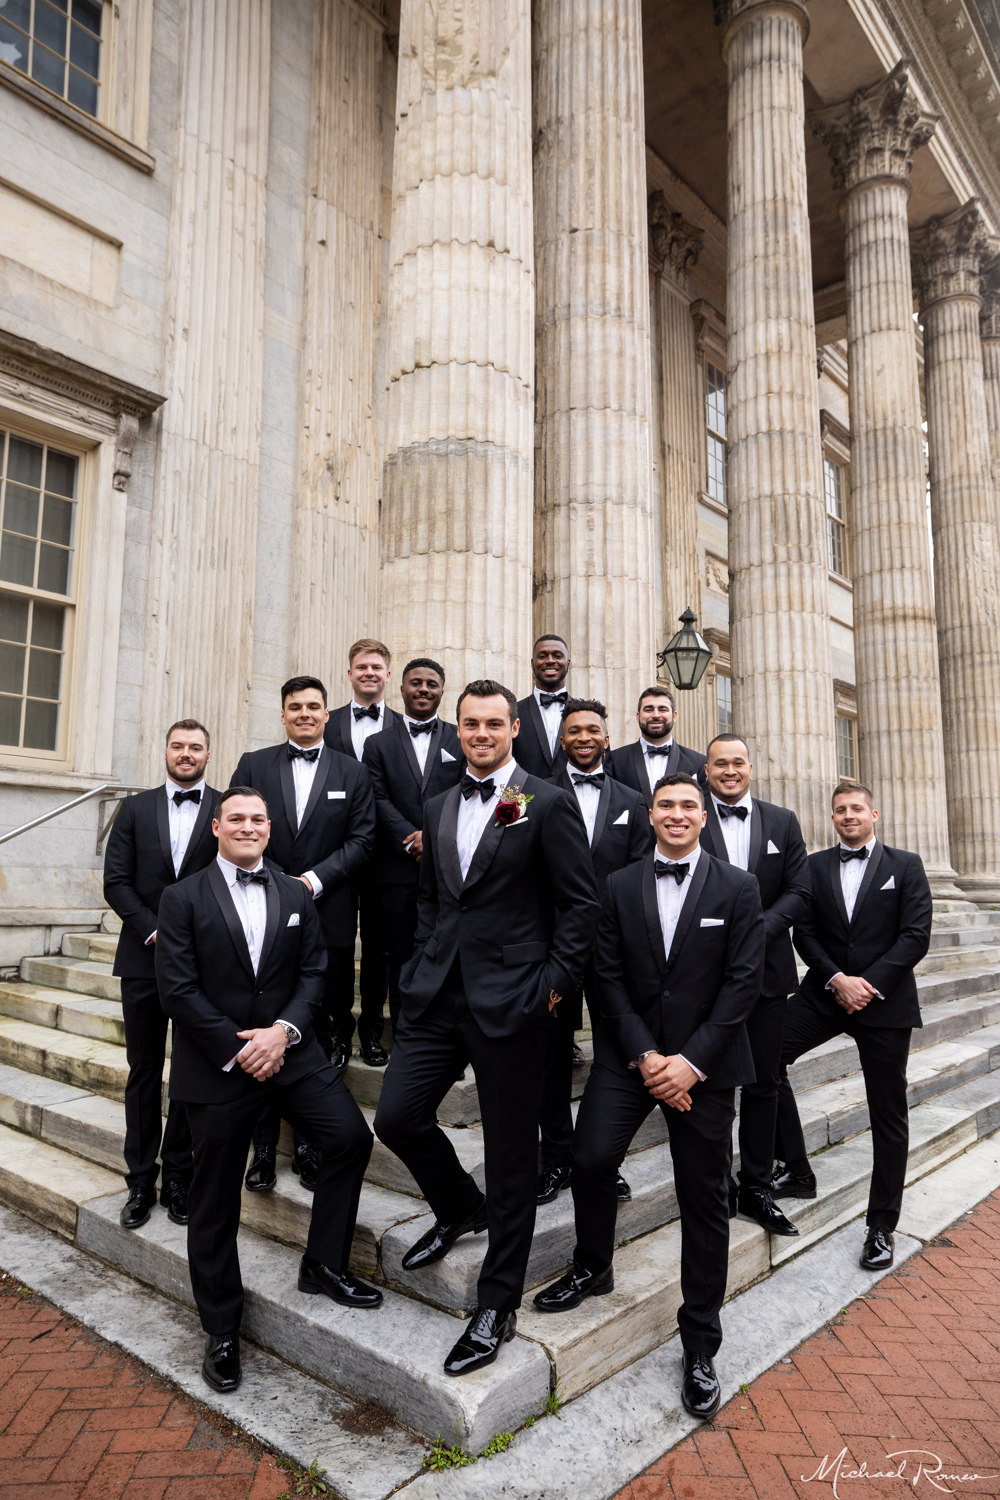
(524, 953)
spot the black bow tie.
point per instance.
(194, 797)
(846, 854)
(294, 753)
(252, 877)
(595, 778)
(732, 812)
(670, 867)
(371, 712)
(470, 786)
(427, 727)
(547, 699)
(658, 749)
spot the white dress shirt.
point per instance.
(588, 794)
(656, 765)
(736, 831)
(250, 901)
(551, 718)
(852, 873)
(182, 817)
(362, 728)
(303, 776)
(474, 815)
(670, 897)
(421, 742)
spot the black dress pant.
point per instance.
(759, 1100)
(430, 1052)
(373, 979)
(399, 926)
(614, 1105)
(145, 1048)
(321, 1107)
(555, 1103)
(883, 1051)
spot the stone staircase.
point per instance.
(62, 1079)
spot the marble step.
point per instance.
(957, 958)
(81, 975)
(47, 1184)
(961, 937)
(99, 1067)
(100, 947)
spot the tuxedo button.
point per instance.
(463, 908)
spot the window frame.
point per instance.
(836, 444)
(712, 435)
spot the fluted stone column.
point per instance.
(948, 255)
(779, 630)
(593, 488)
(872, 137)
(197, 655)
(989, 326)
(458, 472)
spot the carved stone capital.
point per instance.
(948, 254)
(875, 132)
(674, 244)
(728, 11)
(125, 441)
(989, 288)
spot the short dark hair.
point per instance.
(585, 706)
(424, 661)
(678, 778)
(189, 724)
(550, 635)
(659, 691)
(724, 739)
(849, 784)
(486, 687)
(238, 791)
(298, 685)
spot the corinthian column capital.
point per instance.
(948, 254)
(875, 132)
(728, 11)
(674, 244)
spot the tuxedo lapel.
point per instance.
(163, 827)
(695, 888)
(651, 912)
(639, 768)
(286, 781)
(273, 914)
(201, 824)
(447, 843)
(713, 830)
(673, 759)
(346, 721)
(323, 768)
(433, 754)
(603, 807)
(836, 889)
(756, 835)
(220, 891)
(405, 739)
(538, 724)
(868, 879)
(489, 842)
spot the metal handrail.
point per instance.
(118, 793)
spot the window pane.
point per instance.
(17, 560)
(53, 569)
(60, 473)
(47, 626)
(85, 50)
(18, 12)
(44, 670)
(13, 47)
(20, 510)
(47, 69)
(10, 721)
(40, 723)
(88, 13)
(24, 462)
(14, 619)
(50, 26)
(82, 91)
(57, 520)
(12, 668)
(723, 704)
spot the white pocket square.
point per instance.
(293, 920)
(445, 756)
(522, 819)
(335, 796)
(713, 921)
(772, 847)
(890, 884)
(622, 819)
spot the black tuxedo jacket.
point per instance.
(138, 868)
(889, 933)
(778, 859)
(210, 992)
(627, 764)
(532, 744)
(337, 733)
(622, 832)
(337, 835)
(521, 922)
(694, 999)
(401, 790)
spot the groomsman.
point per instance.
(349, 729)
(655, 753)
(618, 833)
(322, 833)
(157, 838)
(680, 953)
(413, 759)
(506, 912)
(540, 714)
(240, 961)
(766, 840)
(868, 924)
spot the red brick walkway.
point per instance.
(914, 1366)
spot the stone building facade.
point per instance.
(452, 321)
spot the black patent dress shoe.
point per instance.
(480, 1343)
(305, 1165)
(339, 1286)
(341, 1054)
(571, 1288)
(438, 1240)
(262, 1172)
(879, 1250)
(579, 1060)
(221, 1366)
(757, 1204)
(137, 1207)
(373, 1053)
(785, 1184)
(174, 1198)
(700, 1393)
(551, 1182)
(622, 1190)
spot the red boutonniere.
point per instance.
(512, 806)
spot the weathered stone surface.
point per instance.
(81, 975)
(47, 1184)
(97, 1066)
(24, 1096)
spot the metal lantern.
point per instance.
(686, 655)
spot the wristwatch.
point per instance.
(290, 1032)
(638, 1061)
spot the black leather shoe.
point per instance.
(579, 1060)
(700, 1393)
(221, 1366)
(174, 1197)
(438, 1240)
(262, 1174)
(571, 1288)
(480, 1343)
(879, 1250)
(341, 1286)
(305, 1165)
(757, 1204)
(623, 1190)
(137, 1207)
(373, 1053)
(551, 1182)
(785, 1184)
(341, 1054)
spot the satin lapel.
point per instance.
(345, 730)
(286, 781)
(714, 830)
(163, 827)
(220, 891)
(318, 788)
(836, 889)
(641, 779)
(403, 734)
(201, 823)
(603, 807)
(538, 724)
(447, 843)
(651, 912)
(273, 916)
(695, 887)
(673, 759)
(433, 754)
(868, 879)
(489, 842)
(756, 835)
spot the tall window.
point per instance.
(723, 704)
(836, 524)
(847, 746)
(715, 422)
(58, 44)
(38, 487)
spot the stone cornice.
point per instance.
(674, 243)
(68, 379)
(873, 134)
(948, 253)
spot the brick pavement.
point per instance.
(913, 1366)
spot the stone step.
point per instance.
(48, 1184)
(81, 975)
(99, 1067)
(99, 947)
(964, 937)
(959, 958)
(62, 1010)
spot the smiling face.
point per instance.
(728, 769)
(421, 692)
(585, 739)
(368, 674)
(186, 756)
(304, 715)
(854, 818)
(550, 663)
(486, 732)
(677, 817)
(656, 718)
(242, 830)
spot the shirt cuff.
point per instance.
(233, 1060)
(315, 882)
(829, 982)
(701, 1076)
(292, 1040)
(152, 935)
